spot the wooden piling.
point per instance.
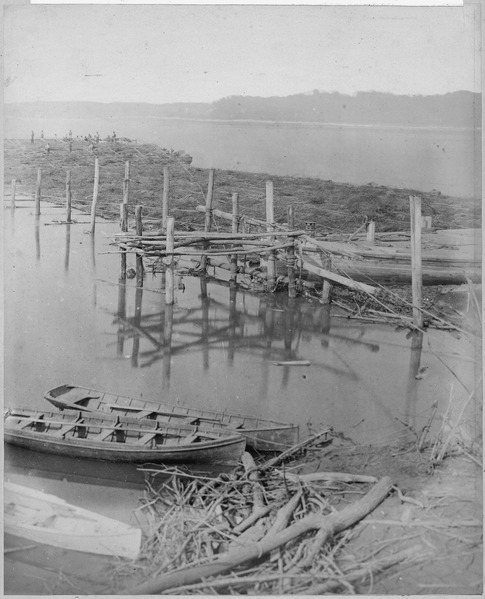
(291, 256)
(124, 228)
(139, 259)
(416, 265)
(38, 192)
(95, 195)
(126, 183)
(235, 229)
(208, 213)
(68, 197)
(271, 269)
(169, 272)
(166, 189)
(14, 186)
(371, 232)
(327, 286)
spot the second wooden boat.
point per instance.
(48, 519)
(260, 434)
(117, 439)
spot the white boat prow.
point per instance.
(48, 519)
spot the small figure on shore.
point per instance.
(32, 137)
(97, 137)
(70, 146)
(70, 133)
(114, 137)
(47, 148)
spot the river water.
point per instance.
(419, 158)
(68, 319)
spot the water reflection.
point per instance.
(37, 237)
(275, 332)
(68, 247)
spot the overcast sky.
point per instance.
(197, 53)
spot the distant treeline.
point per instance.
(456, 109)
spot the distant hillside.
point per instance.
(457, 109)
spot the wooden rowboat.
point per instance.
(50, 520)
(117, 439)
(263, 435)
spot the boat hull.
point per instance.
(229, 451)
(50, 520)
(260, 434)
(103, 437)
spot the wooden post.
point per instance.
(95, 195)
(271, 272)
(208, 213)
(126, 183)
(124, 228)
(371, 232)
(327, 286)
(139, 259)
(68, 197)
(416, 266)
(235, 228)
(14, 185)
(38, 192)
(291, 256)
(166, 189)
(169, 273)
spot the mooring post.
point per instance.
(169, 272)
(271, 269)
(416, 266)
(208, 213)
(235, 229)
(38, 192)
(327, 286)
(139, 258)
(291, 255)
(371, 232)
(95, 195)
(68, 197)
(166, 189)
(124, 228)
(126, 183)
(14, 185)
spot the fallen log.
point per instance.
(292, 450)
(329, 525)
(341, 477)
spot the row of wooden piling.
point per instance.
(269, 225)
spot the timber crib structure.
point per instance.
(273, 244)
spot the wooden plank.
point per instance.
(146, 438)
(307, 264)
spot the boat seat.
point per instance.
(146, 438)
(189, 439)
(103, 435)
(27, 422)
(65, 429)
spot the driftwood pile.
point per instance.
(258, 530)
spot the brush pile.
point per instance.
(259, 530)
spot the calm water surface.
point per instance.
(69, 320)
(446, 159)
